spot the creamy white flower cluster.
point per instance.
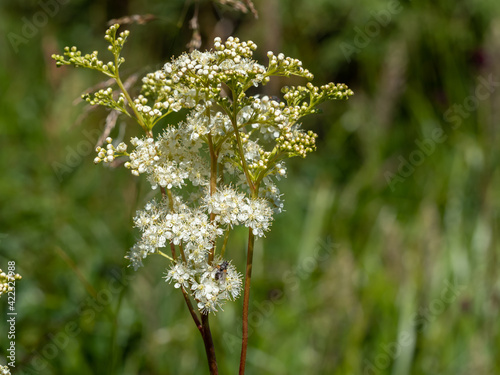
(4, 370)
(163, 223)
(170, 160)
(195, 234)
(211, 286)
(192, 228)
(264, 114)
(270, 191)
(199, 124)
(233, 208)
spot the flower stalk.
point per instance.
(246, 302)
(209, 345)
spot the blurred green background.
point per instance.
(386, 260)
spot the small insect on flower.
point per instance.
(221, 272)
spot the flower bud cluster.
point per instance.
(233, 47)
(286, 66)
(110, 153)
(148, 113)
(4, 370)
(236, 65)
(155, 86)
(106, 99)
(197, 69)
(206, 71)
(296, 95)
(297, 142)
(116, 44)
(5, 279)
(86, 61)
(89, 60)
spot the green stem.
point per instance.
(119, 82)
(240, 145)
(226, 237)
(168, 193)
(164, 255)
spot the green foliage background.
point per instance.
(408, 283)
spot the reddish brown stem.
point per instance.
(192, 312)
(246, 300)
(209, 345)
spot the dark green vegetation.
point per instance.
(404, 184)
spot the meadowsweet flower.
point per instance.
(216, 169)
(257, 215)
(180, 274)
(226, 205)
(137, 253)
(205, 283)
(272, 194)
(216, 285)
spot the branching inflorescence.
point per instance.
(218, 168)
